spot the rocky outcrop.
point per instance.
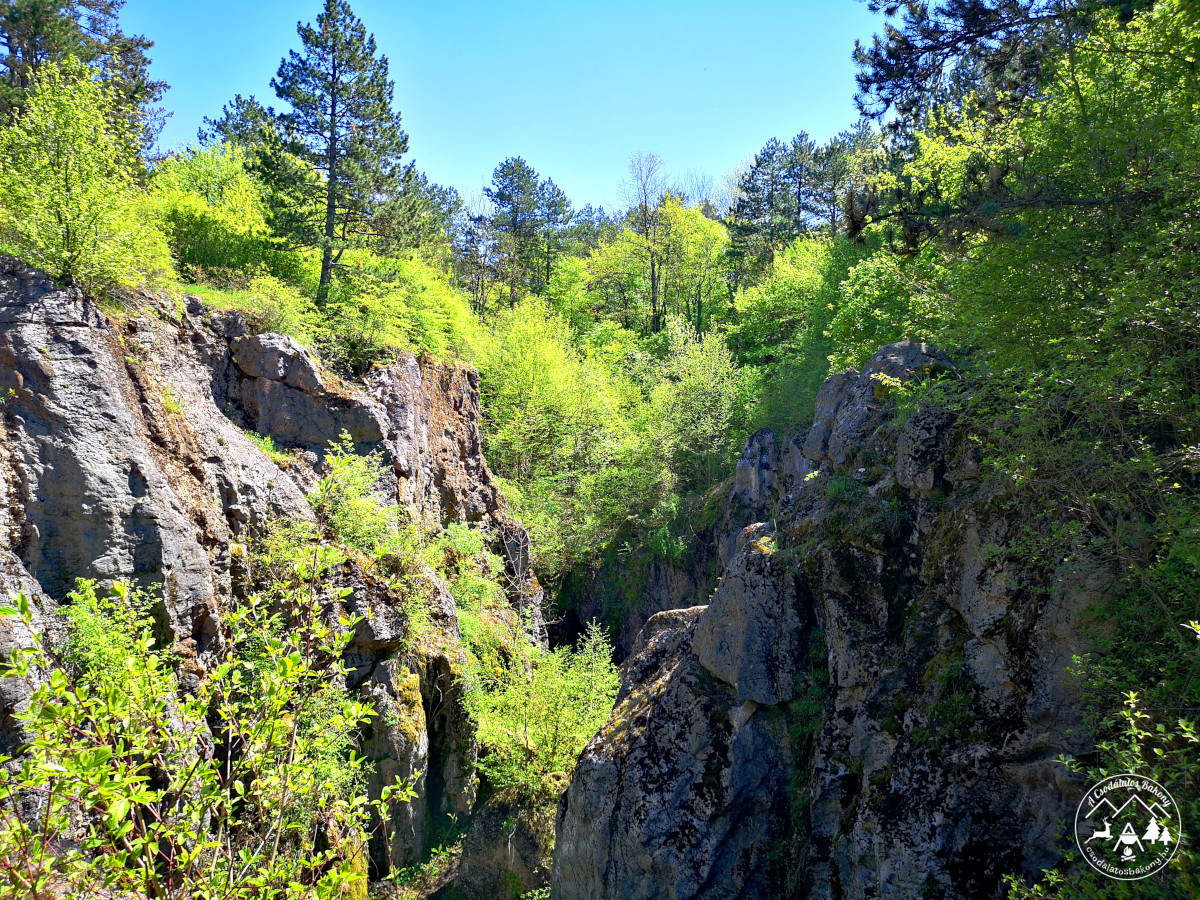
(15, 635)
(874, 700)
(435, 449)
(678, 795)
(125, 455)
(504, 853)
(122, 467)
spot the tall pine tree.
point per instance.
(342, 124)
(517, 220)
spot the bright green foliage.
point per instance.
(573, 434)
(342, 125)
(103, 630)
(886, 298)
(535, 716)
(386, 307)
(169, 810)
(567, 294)
(694, 264)
(401, 303)
(781, 327)
(595, 433)
(673, 264)
(273, 453)
(705, 399)
(268, 305)
(345, 503)
(69, 200)
(35, 34)
(475, 576)
(214, 214)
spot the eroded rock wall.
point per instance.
(873, 702)
(124, 455)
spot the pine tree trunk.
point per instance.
(330, 195)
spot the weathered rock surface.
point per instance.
(874, 700)
(15, 635)
(124, 456)
(753, 635)
(503, 854)
(435, 447)
(679, 795)
(94, 493)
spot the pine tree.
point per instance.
(342, 124)
(554, 214)
(34, 33)
(516, 193)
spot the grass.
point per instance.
(171, 403)
(281, 458)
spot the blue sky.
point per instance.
(574, 88)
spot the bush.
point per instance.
(213, 213)
(705, 398)
(377, 307)
(345, 503)
(69, 199)
(534, 717)
(245, 787)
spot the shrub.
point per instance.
(245, 787)
(347, 509)
(534, 717)
(69, 198)
(378, 307)
(213, 214)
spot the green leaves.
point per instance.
(154, 771)
(68, 196)
(535, 714)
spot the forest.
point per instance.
(1021, 190)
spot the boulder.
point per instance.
(752, 634)
(277, 357)
(505, 853)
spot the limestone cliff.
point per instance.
(873, 701)
(124, 455)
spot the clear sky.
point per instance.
(574, 88)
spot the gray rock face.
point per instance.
(279, 387)
(679, 796)
(123, 456)
(277, 357)
(435, 448)
(398, 744)
(848, 401)
(905, 687)
(752, 636)
(15, 635)
(95, 498)
(504, 854)
(434, 439)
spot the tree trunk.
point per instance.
(653, 294)
(330, 195)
